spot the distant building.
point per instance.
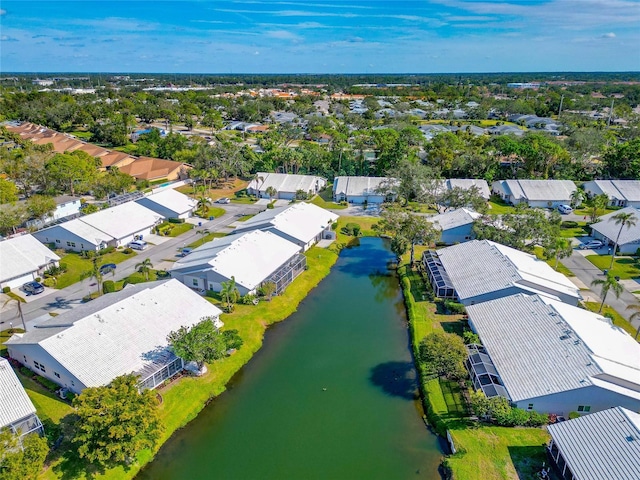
(621, 193)
(66, 207)
(600, 446)
(481, 270)
(535, 193)
(169, 203)
(23, 259)
(286, 185)
(17, 412)
(359, 190)
(154, 169)
(251, 258)
(116, 334)
(550, 357)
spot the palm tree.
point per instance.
(94, 273)
(577, 197)
(259, 179)
(608, 283)
(144, 267)
(635, 315)
(271, 191)
(596, 204)
(622, 219)
(203, 205)
(19, 303)
(560, 248)
(230, 292)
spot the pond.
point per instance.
(331, 395)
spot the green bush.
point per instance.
(48, 384)
(469, 337)
(104, 251)
(211, 294)
(569, 224)
(6, 289)
(108, 286)
(351, 229)
(454, 307)
(175, 220)
(334, 225)
(136, 278)
(49, 282)
(27, 372)
(247, 299)
(127, 251)
(573, 415)
(270, 205)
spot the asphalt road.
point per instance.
(38, 308)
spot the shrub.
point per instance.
(211, 294)
(49, 282)
(351, 229)
(38, 279)
(136, 278)
(104, 251)
(88, 208)
(469, 337)
(48, 384)
(334, 225)
(6, 289)
(569, 224)
(176, 220)
(537, 419)
(573, 415)
(247, 299)
(270, 205)
(454, 307)
(27, 372)
(127, 251)
(108, 286)
(344, 203)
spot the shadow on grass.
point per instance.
(397, 379)
(528, 461)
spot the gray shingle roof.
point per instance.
(619, 189)
(358, 186)
(607, 227)
(454, 218)
(541, 190)
(601, 446)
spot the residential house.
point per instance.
(467, 183)
(115, 160)
(17, 412)
(535, 193)
(286, 185)
(481, 270)
(607, 231)
(66, 207)
(116, 334)
(505, 130)
(23, 259)
(112, 227)
(456, 226)
(359, 190)
(621, 193)
(251, 258)
(550, 357)
(169, 203)
(600, 446)
(155, 169)
(301, 223)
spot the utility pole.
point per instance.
(560, 109)
(610, 113)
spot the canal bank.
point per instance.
(332, 394)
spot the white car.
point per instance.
(565, 209)
(592, 245)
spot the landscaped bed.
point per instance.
(78, 265)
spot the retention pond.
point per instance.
(331, 395)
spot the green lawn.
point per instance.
(539, 252)
(174, 229)
(324, 199)
(420, 208)
(185, 398)
(214, 212)
(579, 231)
(244, 218)
(206, 238)
(366, 225)
(86, 136)
(497, 207)
(616, 318)
(244, 200)
(77, 265)
(483, 452)
(623, 267)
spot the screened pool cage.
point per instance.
(437, 274)
(287, 272)
(164, 365)
(483, 373)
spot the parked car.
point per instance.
(185, 251)
(592, 245)
(224, 200)
(565, 209)
(33, 288)
(107, 267)
(138, 245)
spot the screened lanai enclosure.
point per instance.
(287, 273)
(164, 365)
(483, 373)
(440, 281)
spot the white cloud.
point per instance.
(3, 11)
(608, 35)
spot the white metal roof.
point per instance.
(122, 220)
(285, 182)
(454, 218)
(118, 333)
(82, 230)
(467, 183)
(172, 200)
(602, 445)
(540, 190)
(14, 402)
(541, 346)
(617, 189)
(248, 257)
(22, 255)
(359, 186)
(302, 221)
(481, 266)
(607, 227)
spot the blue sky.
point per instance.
(332, 36)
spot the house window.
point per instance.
(56, 374)
(58, 240)
(584, 408)
(530, 407)
(71, 244)
(195, 282)
(36, 364)
(42, 368)
(25, 358)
